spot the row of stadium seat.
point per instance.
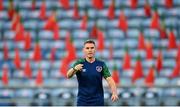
(128, 97)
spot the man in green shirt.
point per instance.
(90, 72)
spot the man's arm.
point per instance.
(113, 88)
(73, 70)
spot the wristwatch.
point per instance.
(74, 69)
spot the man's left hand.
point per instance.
(114, 97)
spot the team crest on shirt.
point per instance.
(99, 68)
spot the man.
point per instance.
(90, 72)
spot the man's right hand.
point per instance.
(78, 67)
(73, 70)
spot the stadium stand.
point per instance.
(140, 37)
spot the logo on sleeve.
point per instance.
(99, 68)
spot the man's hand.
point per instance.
(112, 86)
(114, 97)
(78, 67)
(73, 71)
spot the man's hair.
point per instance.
(89, 41)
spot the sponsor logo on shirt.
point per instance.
(99, 68)
(83, 70)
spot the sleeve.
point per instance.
(78, 62)
(106, 72)
(75, 63)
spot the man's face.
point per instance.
(89, 50)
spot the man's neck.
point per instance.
(90, 60)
